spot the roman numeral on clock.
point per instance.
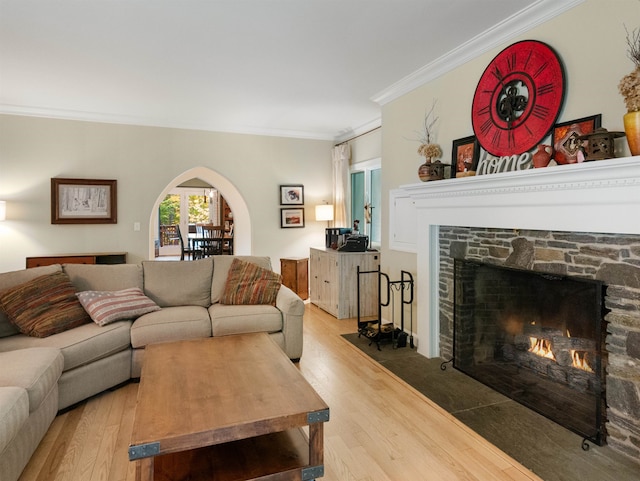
(486, 126)
(497, 74)
(483, 111)
(540, 111)
(526, 62)
(545, 89)
(540, 69)
(496, 137)
(511, 61)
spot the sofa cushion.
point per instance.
(171, 324)
(178, 283)
(44, 306)
(97, 277)
(83, 345)
(221, 266)
(248, 283)
(226, 320)
(11, 279)
(105, 307)
(37, 370)
(14, 411)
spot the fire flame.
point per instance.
(579, 361)
(541, 347)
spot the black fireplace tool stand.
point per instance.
(374, 329)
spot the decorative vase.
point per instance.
(542, 156)
(431, 170)
(424, 171)
(632, 130)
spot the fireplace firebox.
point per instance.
(536, 338)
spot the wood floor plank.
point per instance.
(40, 457)
(54, 456)
(380, 428)
(121, 468)
(107, 444)
(73, 465)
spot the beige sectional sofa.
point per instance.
(40, 376)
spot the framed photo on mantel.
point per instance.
(565, 141)
(83, 201)
(465, 153)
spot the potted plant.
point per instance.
(630, 89)
(432, 169)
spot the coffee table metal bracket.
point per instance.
(143, 451)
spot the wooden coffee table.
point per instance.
(226, 408)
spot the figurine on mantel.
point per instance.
(600, 144)
(542, 156)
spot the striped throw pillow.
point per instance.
(106, 307)
(43, 306)
(248, 283)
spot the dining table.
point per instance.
(200, 243)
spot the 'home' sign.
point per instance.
(489, 164)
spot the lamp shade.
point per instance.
(324, 212)
(3, 210)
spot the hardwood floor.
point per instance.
(381, 429)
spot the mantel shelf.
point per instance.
(620, 172)
(602, 196)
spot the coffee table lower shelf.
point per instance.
(279, 456)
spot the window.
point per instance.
(366, 192)
(184, 206)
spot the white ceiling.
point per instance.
(299, 68)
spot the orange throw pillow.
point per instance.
(44, 306)
(248, 283)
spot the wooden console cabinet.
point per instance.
(295, 275)
(334, 282)
(96, 258)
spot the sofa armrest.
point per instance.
(292, 308)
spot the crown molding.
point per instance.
(519, 23)
(97, 117)
(358, 131)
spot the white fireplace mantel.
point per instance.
(601, 196)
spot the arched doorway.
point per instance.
(242, 222)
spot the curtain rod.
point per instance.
(359, 135)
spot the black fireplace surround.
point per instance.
(535, 337)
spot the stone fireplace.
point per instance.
(579, 219)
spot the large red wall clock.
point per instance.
(518, 98)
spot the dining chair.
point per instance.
(227, 244)
(212, 239)
(193, 252)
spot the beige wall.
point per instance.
(146, 161)
(590, 39)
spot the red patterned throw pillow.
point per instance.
(106, 307)
(43, 306)
(248, 283)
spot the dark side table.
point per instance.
(295, 275)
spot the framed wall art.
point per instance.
(464, 156)
(83, 201)
(291, 218)
(291, 195)
(565, 138)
